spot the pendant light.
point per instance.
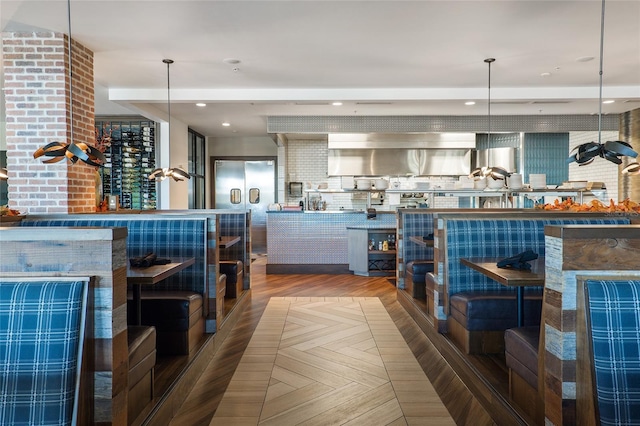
(161, 173)
(71, 151)
(497, 173)
(4, 174)
(482, 172)
(611, 150)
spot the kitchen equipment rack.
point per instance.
(130, 160)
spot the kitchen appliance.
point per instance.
(514, 181)
(363, 184)
(381, 184)
(393, 154)
(538, 181)
(295, 189)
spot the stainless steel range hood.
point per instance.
(383, 154)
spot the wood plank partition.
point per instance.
(98, 252)
(574, 251)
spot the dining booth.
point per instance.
(177, 300)
(461, 236)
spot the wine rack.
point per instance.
(130, 159)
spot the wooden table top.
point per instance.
(421, 241)
(156, 273)
(227, 241)
(508, 276)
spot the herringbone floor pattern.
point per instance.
(329, 360)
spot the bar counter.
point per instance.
(315, 242)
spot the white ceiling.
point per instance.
(377, 57)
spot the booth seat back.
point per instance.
(41, 340)
(613, 333)
(236, 224)
(412, 224)
(416, 225)
(496, 238)
(168, 237)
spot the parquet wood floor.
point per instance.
(329, 360)
(207, 393)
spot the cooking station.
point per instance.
(313, 242)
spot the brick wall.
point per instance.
(37, 112)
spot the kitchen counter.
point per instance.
(313, 242)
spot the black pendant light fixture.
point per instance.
(71, 151)
(161, 173)
(611, 150)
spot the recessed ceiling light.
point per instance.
(545, 74)
(226, 124)
(470, 103)
(231, 61)
(337, 104)
(201, 104)
(584, 59)
(610, 101)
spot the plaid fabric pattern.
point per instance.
(416, 225)
(234, 224)
(40, 341)
(614, 316)
(168, 238)
(497, 238)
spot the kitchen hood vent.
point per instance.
(402, 140)
(384, 154)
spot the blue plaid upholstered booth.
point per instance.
(41, 341)
(177, 305)
(497, 238)
(168, 237)
(473, 318)
(613, 330)
(416, 225)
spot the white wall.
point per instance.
(178, 157)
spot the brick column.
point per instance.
(37, 94)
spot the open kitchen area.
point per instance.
(329, 185)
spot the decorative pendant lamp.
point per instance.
(4, 174)
(177, 173)
(611, 150)
(71, 151)
(497, 173)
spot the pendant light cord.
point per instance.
(489, 61)
(70, 73)
(600, 73)
(168, 62)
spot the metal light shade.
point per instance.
(610, 150)
(176, 173)
(4, 175)
(498, 173)
(632, 169)
(476, 173)
(72, 152)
